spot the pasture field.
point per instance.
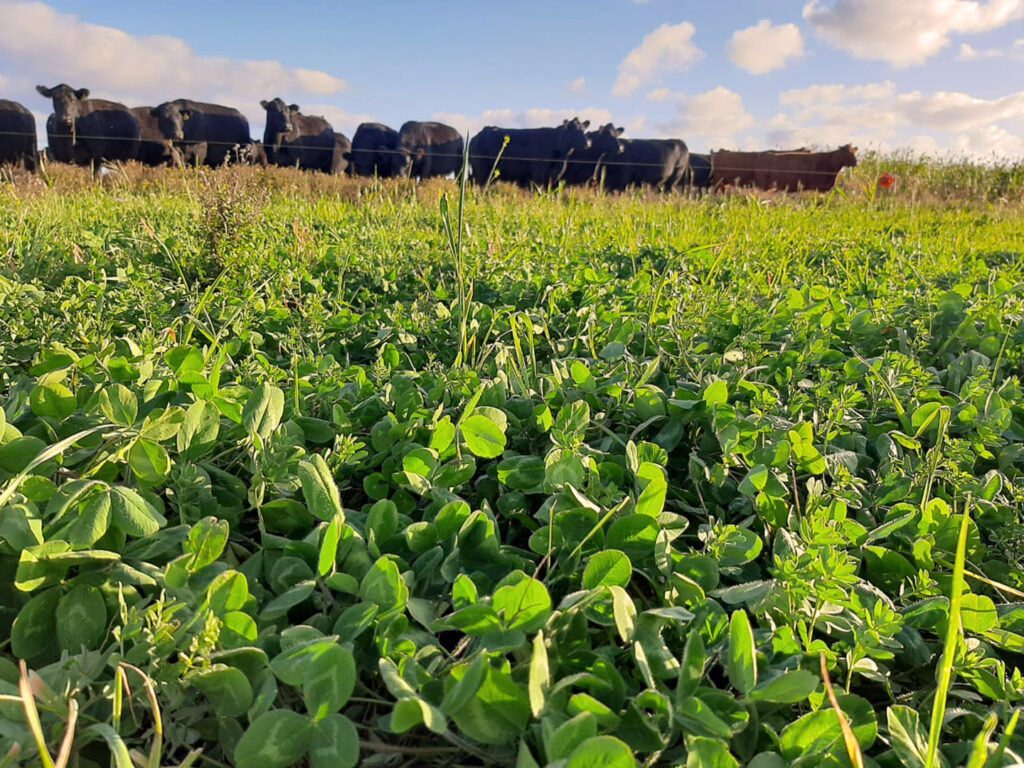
(296, 470)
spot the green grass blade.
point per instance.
(949, 647)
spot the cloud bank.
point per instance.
(39, 44)
(904, 32)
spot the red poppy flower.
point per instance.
(886, 180)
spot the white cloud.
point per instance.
(904, 32)
(992, 141)
(667, 49)
(579, 85)
(877, 116)
(763, 47)
(664, 94)
(709, 119)
(833, 94)
(952, 111)
(41, 45)
(970, 53)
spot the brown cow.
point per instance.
(787, 171)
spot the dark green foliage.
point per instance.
(687, 448)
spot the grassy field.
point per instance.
(298, 470)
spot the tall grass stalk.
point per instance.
(492, 175)
(952, 636)
(455, 246)
(28, 702)
(944, 414)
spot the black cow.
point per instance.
(154, 149)
(206, 134)
(434, 149)
(17, 135)
(585, 166)
(342, 148)
(87, 131)
(297, 140)
(532, 156)
(698, 174)
(375, 152)
(657, 163)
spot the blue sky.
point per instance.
(932, 75)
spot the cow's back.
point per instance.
(531, 156)
(730, 168)
(17, 135)
(436, 149)
(373, 148)
(105, 130)
(214, 131)
(658, 163)
(483, 152)
(796, 171)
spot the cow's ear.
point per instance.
(586, 123)
(82, 93)
(47, 92)
(293, 107)
(265, 104)
(619, 131)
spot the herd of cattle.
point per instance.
(88, 132)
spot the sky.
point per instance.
(942, 77)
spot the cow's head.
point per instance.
(848, 156)
(171, 117)
(279, 120)
(67, 102)
(572, 136)
(605, 140)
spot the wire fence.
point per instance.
(491, 157)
